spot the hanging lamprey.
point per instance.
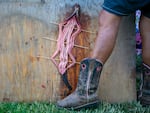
(68, 31)
(65, 43)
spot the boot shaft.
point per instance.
(88, 80)
(144, 95)
(146, 77)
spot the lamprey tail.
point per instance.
(65, 80)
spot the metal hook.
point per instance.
(75, 12)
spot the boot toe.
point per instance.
(64, 103)
(59, 103)
(68, 102)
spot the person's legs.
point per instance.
(144, 95)
(90, 68)
(107, 33)
(145, 33)
(85, 94)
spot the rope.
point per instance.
(83, 30)
(83, 47)
(47, 58)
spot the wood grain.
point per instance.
(24, 77)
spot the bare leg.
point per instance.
(108, 29)
(145, 33)
(144, 96)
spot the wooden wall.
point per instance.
(23, 26)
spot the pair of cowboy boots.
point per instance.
(85, 94)
(144, 95)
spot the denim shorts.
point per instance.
(126, 7)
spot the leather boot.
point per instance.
(144, 96)
(85, 94)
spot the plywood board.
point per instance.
(24, 77)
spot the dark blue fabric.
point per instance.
(126, 7)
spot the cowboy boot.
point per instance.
(144, 96)
(85, 94)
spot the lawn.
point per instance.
(39, 107)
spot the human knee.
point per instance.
(144, 22)
(107, 19)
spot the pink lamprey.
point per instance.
(68, 31)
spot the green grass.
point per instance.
(138, 63)
(39, 107)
